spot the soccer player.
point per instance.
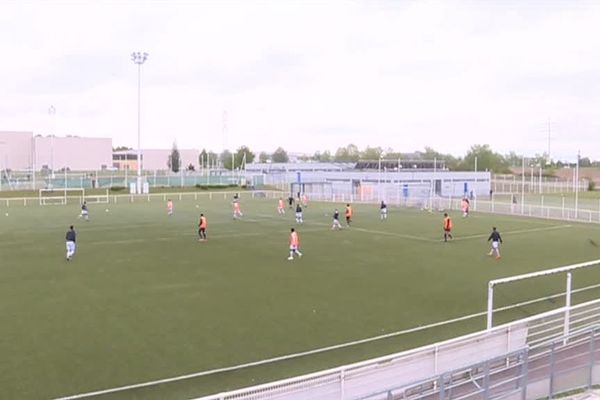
(294, 244)
(496, 240)
(202, 225)
(348, 214)
(305, 200)
(281, 207)
(71, 239)
(447, 227)
(299, 219)
(336, 220)
(465, 207)
(383, 210)
(169, 207)
(84, 212)
(237, 212)
(291, 201)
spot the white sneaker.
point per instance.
(290, 258)
(300, 255)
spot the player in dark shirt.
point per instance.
(383, 210)
(70, 237)
(299, 219)
(84, 212)
(496, 240)
(291, 200)
(336, 220)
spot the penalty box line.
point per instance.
(516, 232)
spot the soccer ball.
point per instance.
(106, 210)
(197, 206)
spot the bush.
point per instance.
(591, 185)
(117, 188)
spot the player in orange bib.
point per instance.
(202, 225)
(447, 227)
(169, 207)
(464, 204)
(294, 244)
(237, 212)
(305, 200)
(348, 214)
(281, 206)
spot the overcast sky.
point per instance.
(308, 75)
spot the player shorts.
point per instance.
(202, 230)
(298, 215)
(84, 212)
(447, 230)
(70, 246)
(293, 248)
(384, 211)
(495, 245)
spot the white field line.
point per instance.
(400, 235)
(225, 235)
(354, 228)
(517, 231)
(310, 352)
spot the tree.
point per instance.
(239, 156)
(487, 160)
(263, 157)
(202, 158)
(280, 156)
(226, 159)
(121, 148)
(585, 162)
(371, 153)
(326, 156)
(349, 153)
(174, 160)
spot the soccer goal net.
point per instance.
(97, 197)
(521, 296)
(315, 190)
(61, 196)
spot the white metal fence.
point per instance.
(136, 198)
(428, 370)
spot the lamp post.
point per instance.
(52, 113)
(139, 59)
(379, 176)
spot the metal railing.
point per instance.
(521, 350)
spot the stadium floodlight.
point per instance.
(52, 113)
(139, 58)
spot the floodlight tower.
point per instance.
(139, 59)
(52, 113)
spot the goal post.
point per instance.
(60, 196)
(568, 270)
(98, 198)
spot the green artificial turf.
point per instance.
(144, 300)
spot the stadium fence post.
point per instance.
(567, 307)
(592, 361)
(563, 207)
(342, 383)
(490, 305)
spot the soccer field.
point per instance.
(144, 300)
